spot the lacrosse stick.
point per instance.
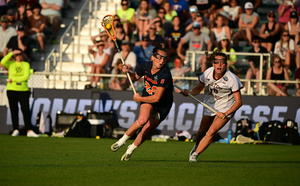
(108, 25)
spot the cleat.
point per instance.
(15, 133)
(192, 151)
(32, 134)
(114, 147)
(193, 158)
(125, 157)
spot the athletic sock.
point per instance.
(131, 148)
(123, 139)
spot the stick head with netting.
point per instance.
(108, 25)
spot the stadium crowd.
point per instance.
(179, 25)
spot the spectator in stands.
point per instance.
(128, 56)
(17, 90)
(285, 9)
(204, 7)
(120, 34)
(126, 15)
(285, 48)
(198, 41)
(143, 52)
(20, 41)
(5, 34)
(181, 7)
(192, 19)
(166, 24)
(27, 2)
(224, 46)
(21, 13)
(174, 35)
(28, 10)
(293, 25)
(3, 7)
(256, 4)
(298, 54)
(297, 78)
(179, 71)
(157, 22)
(254, 62)
(153, 37)
(118, 83)
(11, 18)
(101, 58)
(52, 10)
(248, 25)
(270, 32)
(203, 28)
(109, 47)
(169, 12)
(35, 27)
(219, 30)
(156, 4)
(143, 15)
(277, 72)
(232, 12)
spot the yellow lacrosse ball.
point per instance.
(97, 137)
(108, 26)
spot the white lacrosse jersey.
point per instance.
(218, 94)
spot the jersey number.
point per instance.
(148, 88)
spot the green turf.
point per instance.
(87, 161)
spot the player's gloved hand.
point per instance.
(185, 92)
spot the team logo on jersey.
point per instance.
(162, 81)
(155, 78)
(146, 72)
(225, 78)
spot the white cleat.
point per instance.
(114, 147)
(125, 157)
(193, 150)
(193, 157)
(32, 134)
(15, 133)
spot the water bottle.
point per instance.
(229, 135)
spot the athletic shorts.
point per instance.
(163, 111)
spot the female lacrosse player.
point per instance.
(156, 100)
(221, 86)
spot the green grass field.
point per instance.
(87, 161)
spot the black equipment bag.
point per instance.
(272, 131)
(65, 120)
(291, 134)
(80, 128)
(244, 127)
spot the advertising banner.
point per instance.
(186, 114)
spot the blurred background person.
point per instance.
(35, 26)
(270, 32)
(143, 51)
(20, 41)
(21, 13)
(293, 25)
(297, 78)
(277, 72)
(285, 48)
(179, 71)
(285, 9)
(219, 30)
(11, 18)
(5, 34)
(232, 12)
(3, 7)
(169, 12)
(128, 56)
(248, 25)
(118, 83)
(52, 10)
(181, 7)
(224, 46)
(254, 63)
(120, 34)
(143, 15)
(98, 67)
(126, 14)
(174, 35)
(166, 24)
(197, 41)
(17, 90)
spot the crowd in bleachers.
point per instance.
(24, 22)
(181, 26)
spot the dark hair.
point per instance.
(157, 47)
(221, 54)
(176, 17)
(255, 37)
